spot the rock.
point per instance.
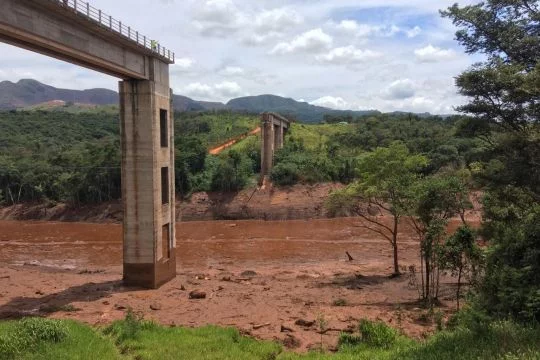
(233, 225)
(39, 292)
(226, 278)
(120, 307)
(197, 294)
(155, 306)
(248, 273)
(182, 288)
(306, 323)
(286, 329)
(105, 302)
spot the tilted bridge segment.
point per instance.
(76, 32)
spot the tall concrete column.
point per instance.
(280, 135)
(148, 181)
(267, 150)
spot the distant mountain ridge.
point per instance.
(28, 92)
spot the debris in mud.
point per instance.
(255, 327)
(197, 294)
(305, 323)
(90, 272)
(291, 342)
(286, 329)
(248, 274)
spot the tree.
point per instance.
(505, 94)
(437, 200)
(461, 256)
(505, 88)
(386, 176)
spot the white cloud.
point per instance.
(400, 89)
(331, 102)
(182, 65)
(414, 32)
(217, 17)
(228, 89)
(365, 30)
(348, 55)
(431, 53)
(276, 20)
(232, 71)
(217, 92)
(311, 41)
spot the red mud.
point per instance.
(300, 269)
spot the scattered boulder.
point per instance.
(286, 329)
(248, 273)
(197, 294)
(305, 323)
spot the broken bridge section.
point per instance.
(76, 32)
(273, 130)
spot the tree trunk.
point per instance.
(458, 288)
(395, 245)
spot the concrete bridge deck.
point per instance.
(74, 31)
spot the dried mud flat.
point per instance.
(268, 279)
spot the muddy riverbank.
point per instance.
(269, 273)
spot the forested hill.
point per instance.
(291, 108)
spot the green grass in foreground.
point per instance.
(133, 338)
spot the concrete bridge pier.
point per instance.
(273, 129)
(148, 180)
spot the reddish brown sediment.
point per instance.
(301, 269)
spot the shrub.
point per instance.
(28, 333)
(377, 334)
(346, 339)
(284, 174)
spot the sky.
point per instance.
(386, 55)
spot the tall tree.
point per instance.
(383, 188)
(505, 93)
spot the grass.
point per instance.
(134, 338)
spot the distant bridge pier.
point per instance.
(273, 130)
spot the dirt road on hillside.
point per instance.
(218, 149)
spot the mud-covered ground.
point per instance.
(259, 276)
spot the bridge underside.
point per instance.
(147, 138)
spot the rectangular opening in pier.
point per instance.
(164, 128)
(164, 185)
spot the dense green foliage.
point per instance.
(75, 157)
(329, 152)
(505, 91)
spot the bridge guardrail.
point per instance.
(86, 10)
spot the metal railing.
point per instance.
(107, 21)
